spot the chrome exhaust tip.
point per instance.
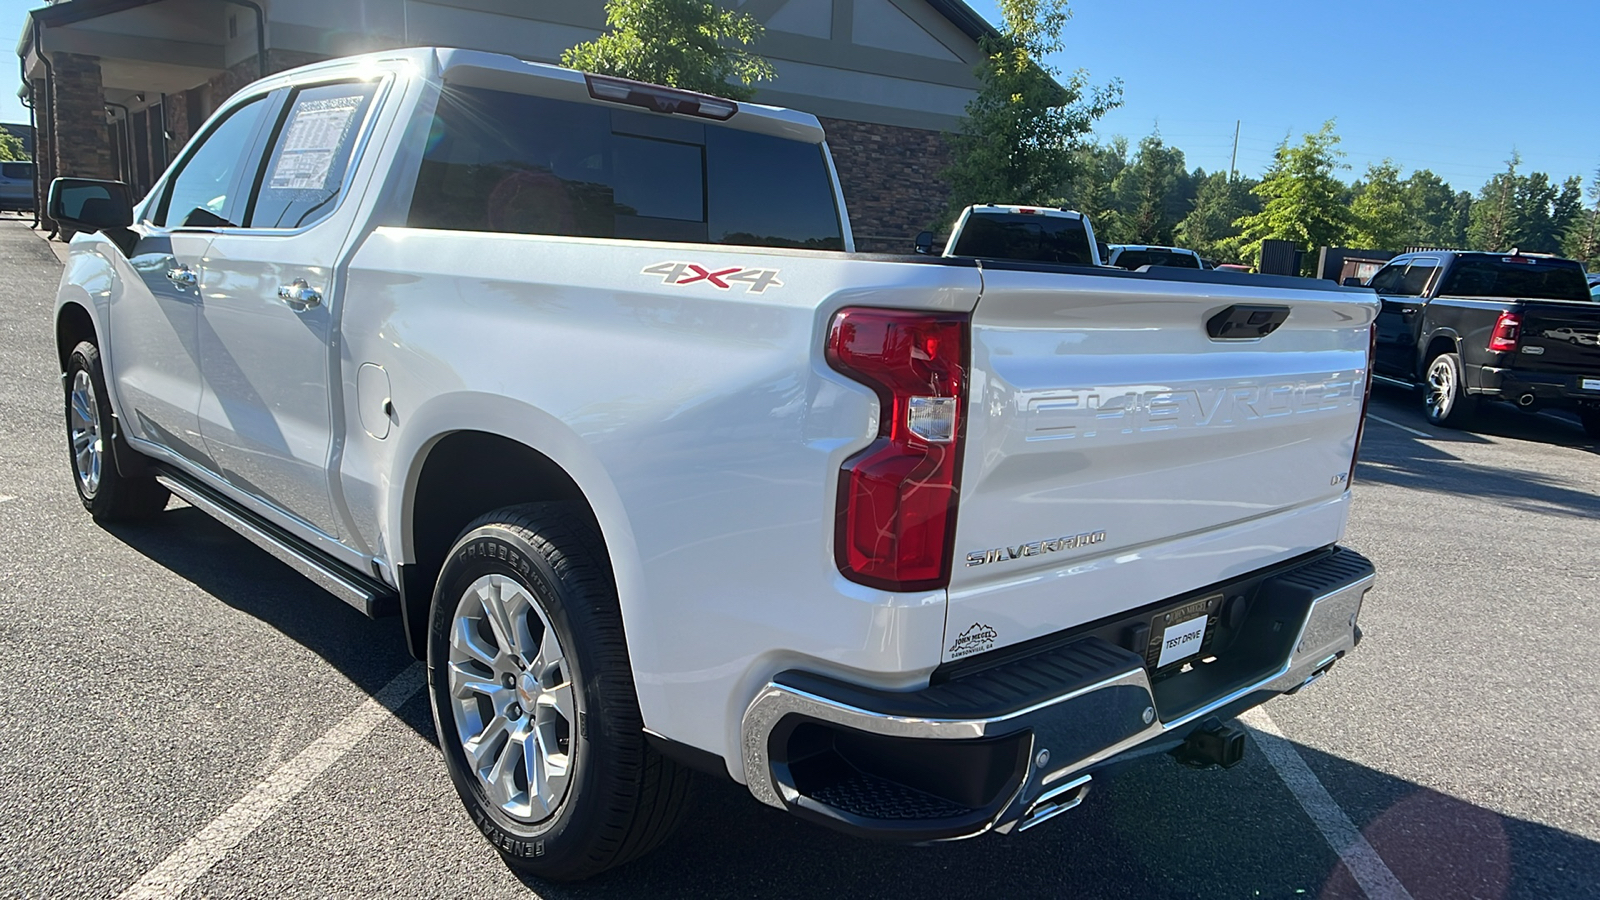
(1526, 400)
(1056, 801)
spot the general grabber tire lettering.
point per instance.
(534, 701)
(105, 492)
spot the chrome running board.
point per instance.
(365, 594)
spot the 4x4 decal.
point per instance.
(756, 280)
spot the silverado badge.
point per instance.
(1036, 548)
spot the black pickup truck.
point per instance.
(1504, 326)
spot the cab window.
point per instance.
(311, 151)
(204, 192)
(1418, 276)
(520, 164)
(1388, 279)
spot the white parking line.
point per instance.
(210, 844)
(1363, 862)
(1399, 426)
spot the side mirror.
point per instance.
(1353, 281)
(925, 242)
(88, 204)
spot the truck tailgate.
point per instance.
(1117, 454)
(1569, 333)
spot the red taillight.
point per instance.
(1507, 330)
(897, 498)
(1366, 401)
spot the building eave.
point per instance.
(965, 18)
(70, 12)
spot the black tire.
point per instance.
(106, 493)
(1445, 400)
(621, 798)
(1591, 422)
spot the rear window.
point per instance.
(1133, 259)
(1516, 278)
(21, 171)
(513, 163)
(1035, 238)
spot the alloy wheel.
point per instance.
(1441, 389)
(512, 695)
(83, 427)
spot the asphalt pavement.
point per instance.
(161, 679)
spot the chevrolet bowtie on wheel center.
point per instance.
(583, 380)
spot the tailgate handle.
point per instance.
(1244, 322)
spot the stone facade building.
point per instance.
(118, 86)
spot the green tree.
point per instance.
(1209, 227)
(1017, 143)
(1494, 218)
(1435, 211)
(11, 147)
(1582, 240)
(1302, 200)
(1095, 168)
(1564, 213)
(691, 44)
(1382, 221)
(1149, 193)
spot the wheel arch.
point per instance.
(74, 324)
(466, 468)
(1440, 342)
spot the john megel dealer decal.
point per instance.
(976, 639)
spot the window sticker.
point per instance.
(316, 131)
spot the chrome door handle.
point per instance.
(183, 275)
(299, 295)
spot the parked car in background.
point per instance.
(1133, 256)
(1468, 327)
(1023, 233)
(1234, 267)
(16, 186)
(1594, 285)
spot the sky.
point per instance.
(1448, 85)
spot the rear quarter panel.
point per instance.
(700, 422)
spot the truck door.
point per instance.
(266, 329)
(154, 335)
(1402, 286)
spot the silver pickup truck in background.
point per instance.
(583, 379)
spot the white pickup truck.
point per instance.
(583, 379)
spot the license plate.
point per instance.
(1178, 634)
(1591, 384)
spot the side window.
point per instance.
(1388, 279)
(311, 152)
(201, 194)
(520, 164)
(1418, 275)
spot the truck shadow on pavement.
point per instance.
(1494, 420)
(1394, 457)
(1157, 831)
(1428, 470)
(207, 554)
(1152, 830)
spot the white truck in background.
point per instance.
(1040, 234)
(583, 379)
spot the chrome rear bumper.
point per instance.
(896, 764)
